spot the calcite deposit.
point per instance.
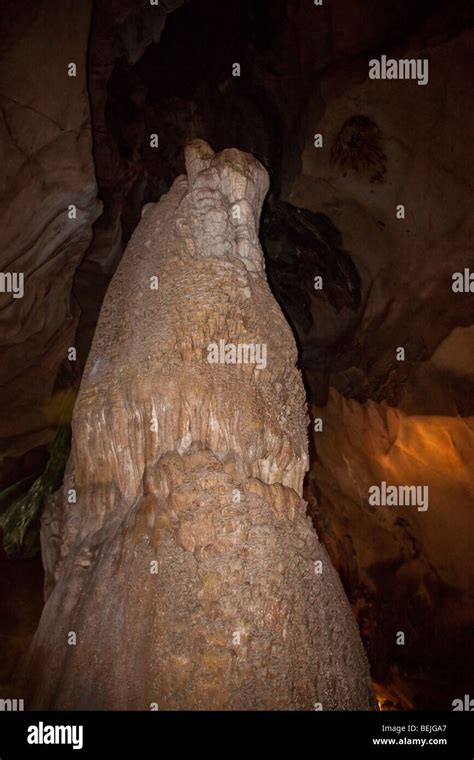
(181, 569)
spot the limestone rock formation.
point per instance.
(46, 166)
(122, 30)
(405, 576)
(405, 422)
(187, 573)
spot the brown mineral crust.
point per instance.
(199, 468)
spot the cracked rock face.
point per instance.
(187, 568)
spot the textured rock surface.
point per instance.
(121, 31)
(405, 568)
(199, 468)
(408, 422)
(46, 165)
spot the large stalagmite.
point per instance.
(187, 574)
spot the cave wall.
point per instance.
(403, 422)
(47, 165)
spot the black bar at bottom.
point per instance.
(163, 734)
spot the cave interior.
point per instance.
(385, 344)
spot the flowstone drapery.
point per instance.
(181, 569)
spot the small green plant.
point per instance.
(19, 513)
